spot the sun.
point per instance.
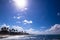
(20, 3)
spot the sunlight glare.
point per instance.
(20, 3)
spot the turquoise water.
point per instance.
(34, 37)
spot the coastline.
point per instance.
(6, 36)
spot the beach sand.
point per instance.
(11, 36)
(4, 36)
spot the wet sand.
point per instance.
(4, 36)
(10, 36)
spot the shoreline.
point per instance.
(6, 36)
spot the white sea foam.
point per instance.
(14, 37)
(21, 37)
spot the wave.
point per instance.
(32, 37)
(18, 37)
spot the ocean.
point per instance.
(33, 37)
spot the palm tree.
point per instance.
(4, 29)
(13, 30)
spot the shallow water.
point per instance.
(33, 37)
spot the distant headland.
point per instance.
(7, 31)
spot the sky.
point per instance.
(31, 15)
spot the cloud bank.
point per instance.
(55, 29)
(18, 28)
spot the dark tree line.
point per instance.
(7, 31)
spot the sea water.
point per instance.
(33, 37)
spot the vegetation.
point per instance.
(7, 31)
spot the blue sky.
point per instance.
(39, 14)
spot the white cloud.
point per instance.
(54, 29)
(27, 22)
(17, 17)
(4, 25)
(18, 28)
(32, 31)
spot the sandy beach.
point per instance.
(4, 36)
(11, 36)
